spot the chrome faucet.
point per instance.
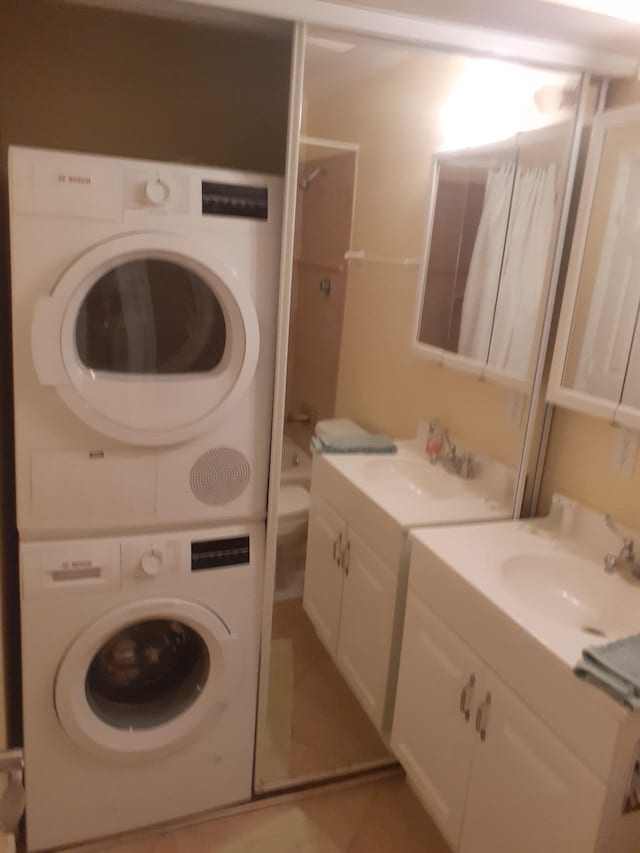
(459, 463)
(625, 560)
(447, 453)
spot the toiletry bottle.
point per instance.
(435, 441)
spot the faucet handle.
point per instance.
(613, 527)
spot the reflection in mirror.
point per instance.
(608, 288)
(536, 202)
(466, 245)
(375, 114)
(494, 216)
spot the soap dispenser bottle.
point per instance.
(435, 441)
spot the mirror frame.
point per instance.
(557, 392)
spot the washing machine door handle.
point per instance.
(45, 343)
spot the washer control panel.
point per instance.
(155, 558)
(156, 192)
(96, 566)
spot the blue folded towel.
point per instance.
(615, 668)
(364, 442)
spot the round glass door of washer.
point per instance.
(147, 338)
(144, 678)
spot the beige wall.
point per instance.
(111, 83)
(579, 460)
(382, 383)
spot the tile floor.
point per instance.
(374, 817)
(329, 729)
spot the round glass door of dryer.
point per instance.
(151, 316)
(148, 338)
(145, 677)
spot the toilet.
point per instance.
(293, 515)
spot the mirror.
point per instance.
(466, 243)
(470, 189)
(490, 236)
(375, 114)
(599, 357)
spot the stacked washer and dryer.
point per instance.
(144, 301)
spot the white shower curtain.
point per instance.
(484, 270)
(523, 270)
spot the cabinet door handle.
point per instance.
(466, 697)
(346, 557)
(337, 548)
(481, 722)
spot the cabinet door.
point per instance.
(527, 792)
(433, 733)
(366, 625)
(323, 574)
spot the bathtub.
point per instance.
(296, 464)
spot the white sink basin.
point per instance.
(412, 476)
(571, 590)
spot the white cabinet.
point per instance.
(527, 791)
(493, 775)
(366, 624)
(323, 578)
(350, 597)
(433, 726)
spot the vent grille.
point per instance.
(220, 476)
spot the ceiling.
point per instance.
(553, 19)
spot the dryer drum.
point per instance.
(220, 476)
(150, 316)
(146, 674)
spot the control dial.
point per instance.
(157, 192)
(151, 563)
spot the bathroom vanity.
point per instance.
(362, 508)
(505, 746)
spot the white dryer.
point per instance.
(140, 660)
(144, 300)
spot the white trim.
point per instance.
(463, 363)
(419, 348)
(366, 257)
(410, 29)
(280, 384)
(580, 401)
(321, 142)
(558, 392)
(627, 416)
(499, 376)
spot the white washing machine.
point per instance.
(140, 659)
(144, 300)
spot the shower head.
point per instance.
(307, 180)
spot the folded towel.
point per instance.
(331, 428)
(359, 443)
(615, 668)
